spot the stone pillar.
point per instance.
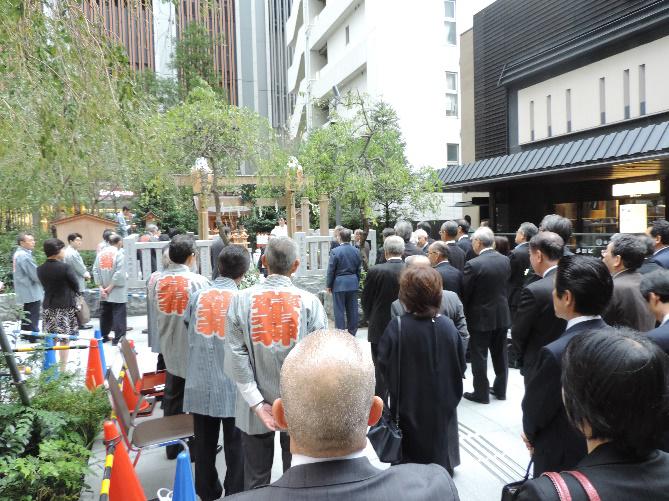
(324, 209)
(304, 204)
(290, 212)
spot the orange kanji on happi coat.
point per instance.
(106, 259)
(275, 318)
(173, 294)
(212, 309)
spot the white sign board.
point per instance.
(633, 218)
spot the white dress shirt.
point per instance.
(549, 270)
(581, 319)
(665, 319)
(299, 459)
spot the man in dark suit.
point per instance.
(560, 225)
(380, 256)
(404, 230)
(583, 289)
(382, 287)
(649, 264)
(334, 243)
(456, 256)
(463, 240)
(422, 240)
(451, 277)
(221, 240)
(659, 231)
(487, 309)
(654, 288)
(328, 423)
(535, 324)
(427, 228)
(343, 280)
(519, 258)
(623, 256)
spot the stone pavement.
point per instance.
(491, 450)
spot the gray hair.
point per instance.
(417, 260)
(649, 242)
(421, 233)
(345, 235)
(393, 246)
(485, 236)
(403, 229)
(151, 228)
(165, 260)
(528, 230)
(631, 250)
(440, 248)
(330, 416)
(656, 282)
(450, 228)
(281, 254)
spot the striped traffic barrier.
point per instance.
(109, 463)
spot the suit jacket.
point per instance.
(662, 257)
(649, 266)
(451, 307)
(557, 445)
(615, 475)
(466, 245)
(451, 277)
(661, 336)
(485, 292)
(357, 479)
(519, 258)
(535, 324)
(410, 249)
(627, 306)
(382, 286)
(344, 268)
(456, 256)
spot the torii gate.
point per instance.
(194, 180)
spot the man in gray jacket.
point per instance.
(263, 324)
(109, 275)
(27, 286)
(74, 259)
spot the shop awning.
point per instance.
(641, 144)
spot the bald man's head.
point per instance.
(327, 389)
(417, 260)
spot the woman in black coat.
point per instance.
(60, 294)
(615, 391)
(429, 375)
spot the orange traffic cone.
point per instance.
(124, 485)
(131, 396)
(94, 374)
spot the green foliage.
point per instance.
(258, 222)
(173, 207)
(7, 248)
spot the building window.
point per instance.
(626, 93)
(602, 101)
(451, 81)
(449, 8)
(452, 104)
(452, 153)
(451, 35)
(348, 35)
(531, 120)
(642, 89)
(549, 125)
(568, 99)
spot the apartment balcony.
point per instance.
(294, 22)
(296, 70)
(296, 122)
(328, 21)
(341, 71)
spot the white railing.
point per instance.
(314, 252)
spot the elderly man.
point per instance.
(649, 264)
(28, 288)
(334, 243)
(404, 230)
(380, 256)
(487, 310)
(209, 394)
(343, 280)
(170, 293)
(520, 262)
(623, 256)
(451, 306)
(535, 324)
(382, 287)
(427, 228)
(74, 259)
(456, 256)
(422, 240)
(109, 275)
(124, 222)
(328, 424)
(263, 324)
(560, 225)
(450, 276)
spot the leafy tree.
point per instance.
(173, 207)
(358, 159)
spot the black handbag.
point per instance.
(509, 491)
(386, 435)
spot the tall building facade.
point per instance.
(407, 56)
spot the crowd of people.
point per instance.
(596, 400)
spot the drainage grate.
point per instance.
(488, 455)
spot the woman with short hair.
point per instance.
(615, 391)
(60, 294)
(429, 374)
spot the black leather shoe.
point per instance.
(127, 329)
(473, 398)
(85, 327)
(498, 397)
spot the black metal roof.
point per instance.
(641, 143)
